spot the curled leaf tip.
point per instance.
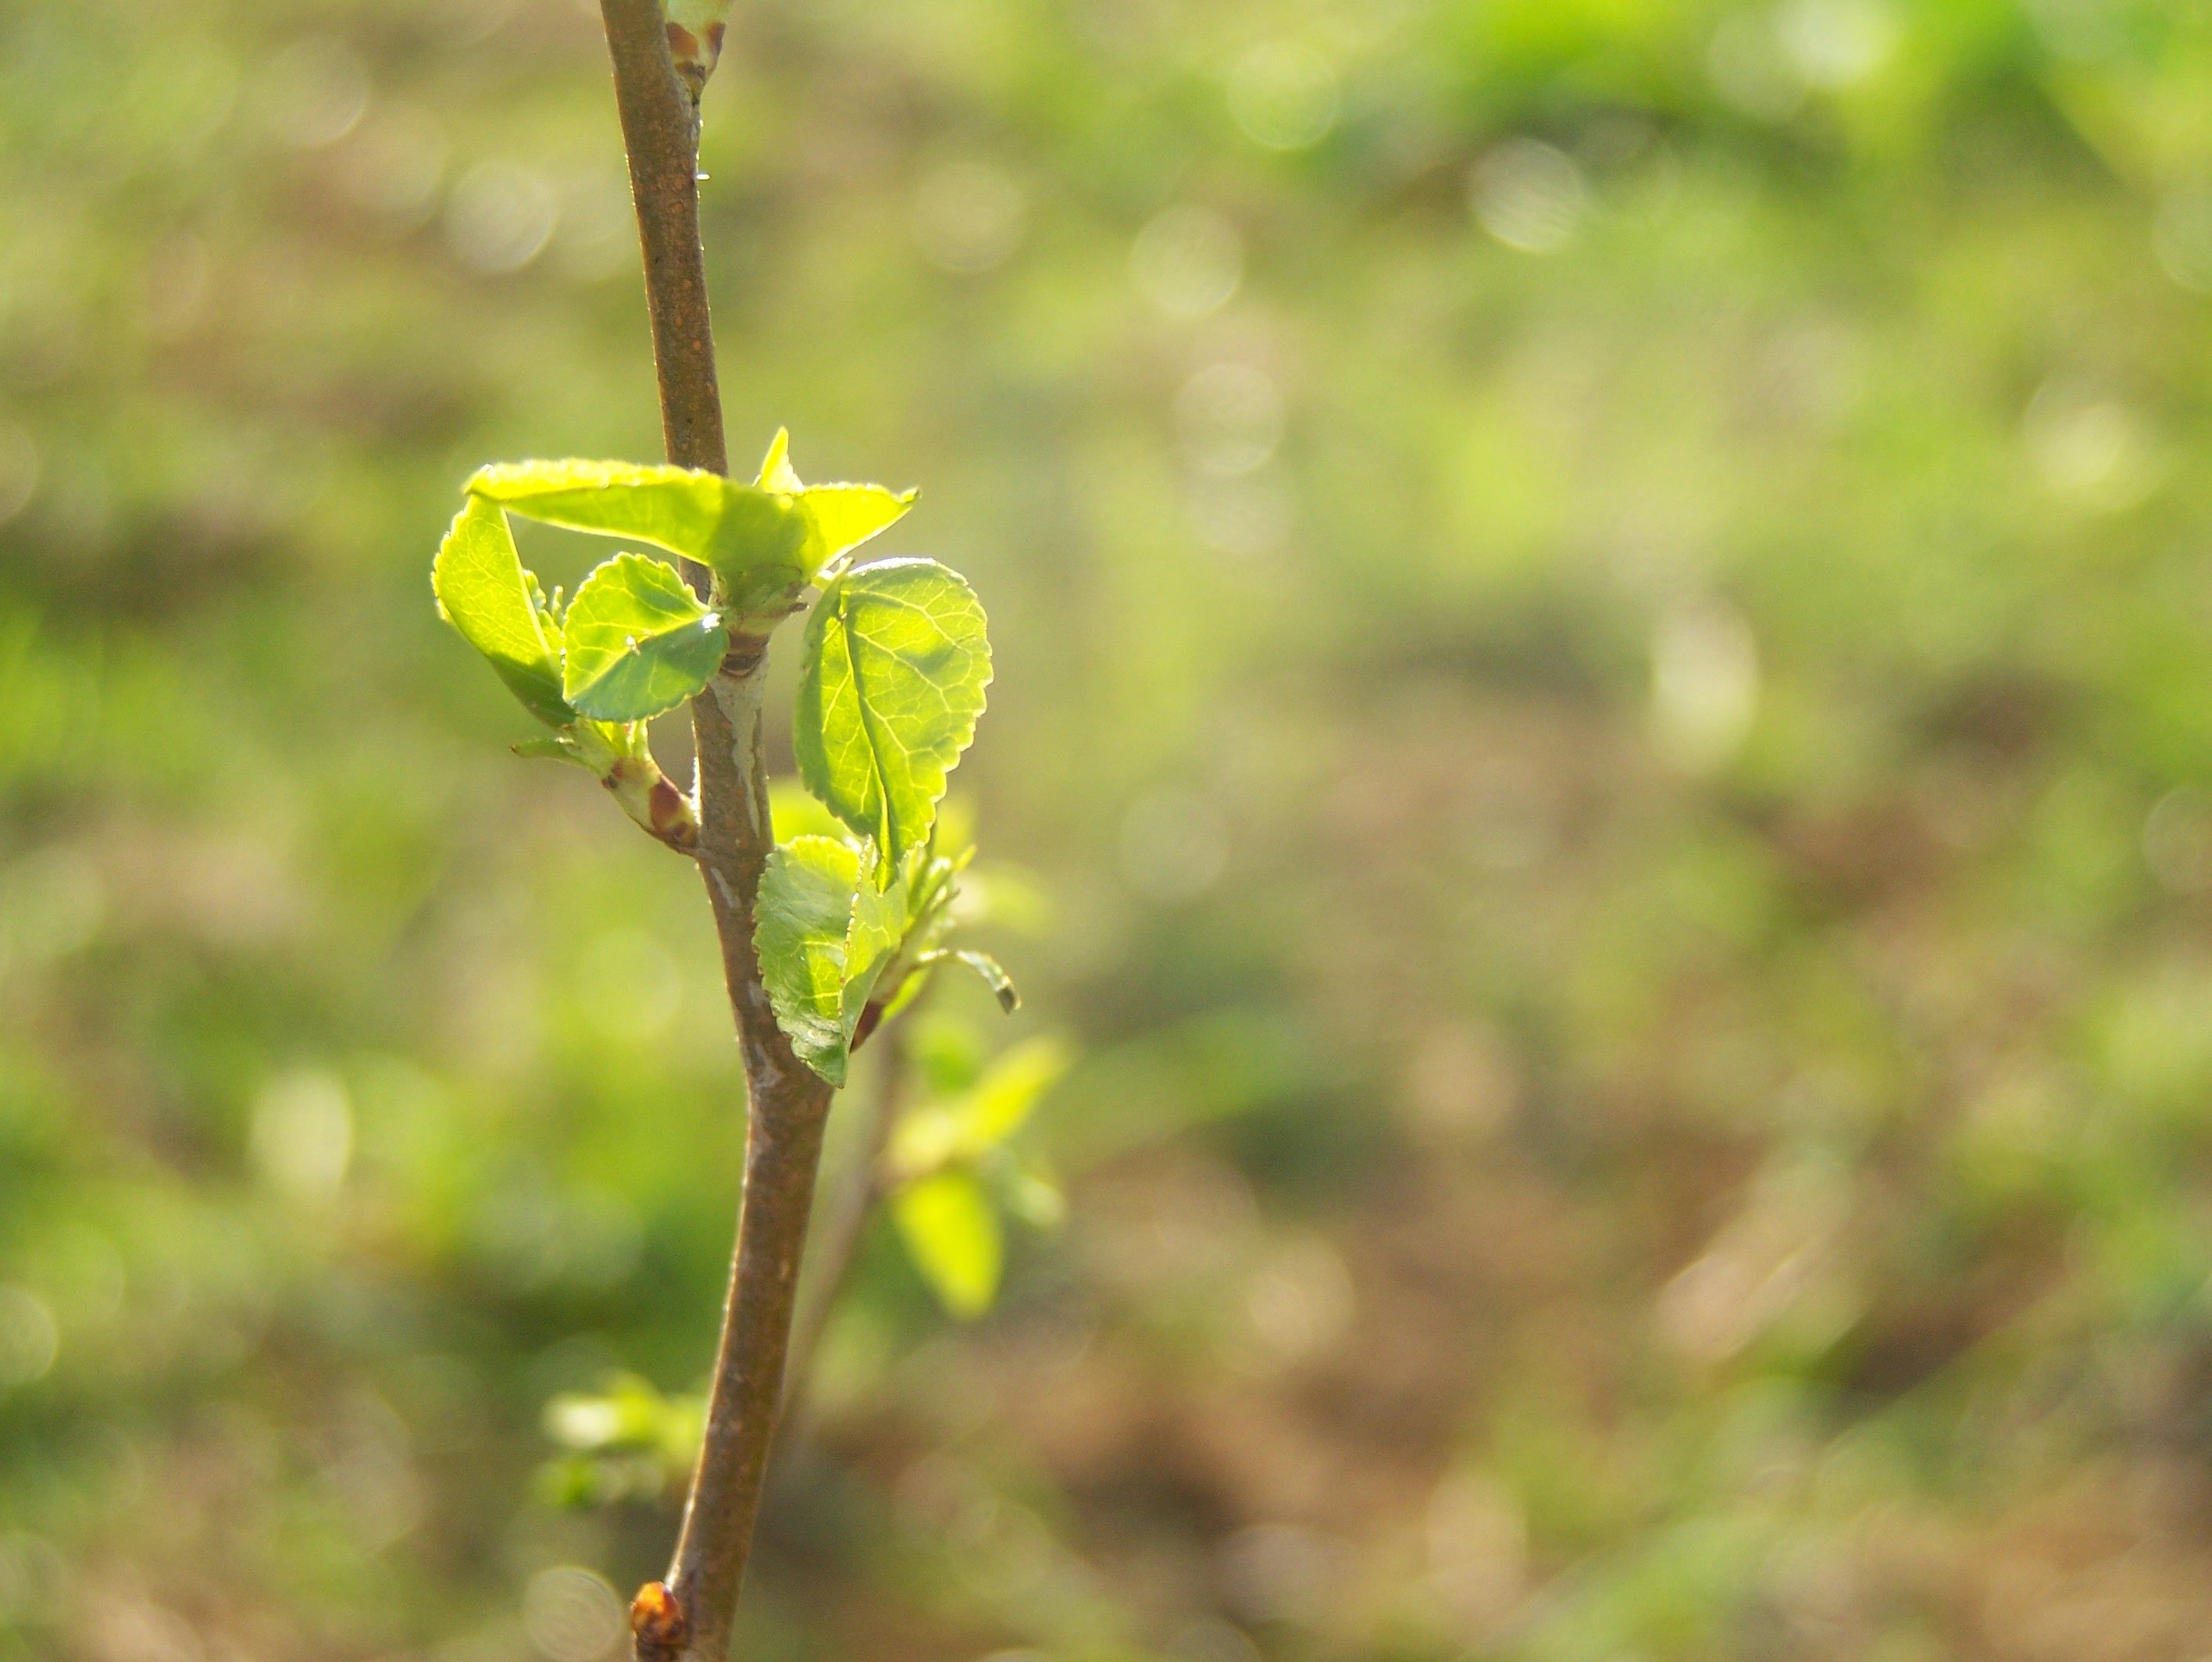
(775, 472)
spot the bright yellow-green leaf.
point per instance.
(823, 937)
(981, 1119)
(842, 517)
(949, 1228)
(839, 517)
(638, 642)
(890, 685)
(759, 543)
(775, 472)
(485, 594)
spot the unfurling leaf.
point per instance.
(891, 683)
(839, 516)
(638, 642)
(994, 977)
(549, 747)
(485, 594)
(949, 1228)
(776, 473)
(823, 938)
(695, 39)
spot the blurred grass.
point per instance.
(1602, 618)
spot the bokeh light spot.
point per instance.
(1230, 418)
(968, 216)
(302, 1136)
(500, 217)
(29, 1339)
(316, 91)
(1285, 95)
(1187, 262)
(1529, 195)
(572, 1615)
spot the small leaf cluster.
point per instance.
(954, 1169)
(635, 641)
(626, 1442)
(894, 664)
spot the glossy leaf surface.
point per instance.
(890, 685)
(638, 641)
(485, 594)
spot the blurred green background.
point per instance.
(1605, 657)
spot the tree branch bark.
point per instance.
(661, 137)
(846, 1209)
(689, 1617)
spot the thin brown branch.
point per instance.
(689, 1617)
(789, 1106)
(845, 1213)
(660, 135)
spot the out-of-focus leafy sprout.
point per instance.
(954, 1168)
(628, 1442)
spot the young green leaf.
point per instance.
(981, 1119)
(950, 1228)
(892, 681)
(839, 517)
(638, 643)
(880, 917)
(679, 509)
(823, 938)
(994, 977)
(776, 472)
(484, 593)
(763, 541)
(805, 911)
(757, 543)
(549, 747)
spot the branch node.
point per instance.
(658, 1627)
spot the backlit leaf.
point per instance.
(764, 541)
(891, 683)
(484, 593)
(638, 641)
(823, 937)
(950, 1228)
(775, 472)
(839, 517)
(842, 517)
(757, 543)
